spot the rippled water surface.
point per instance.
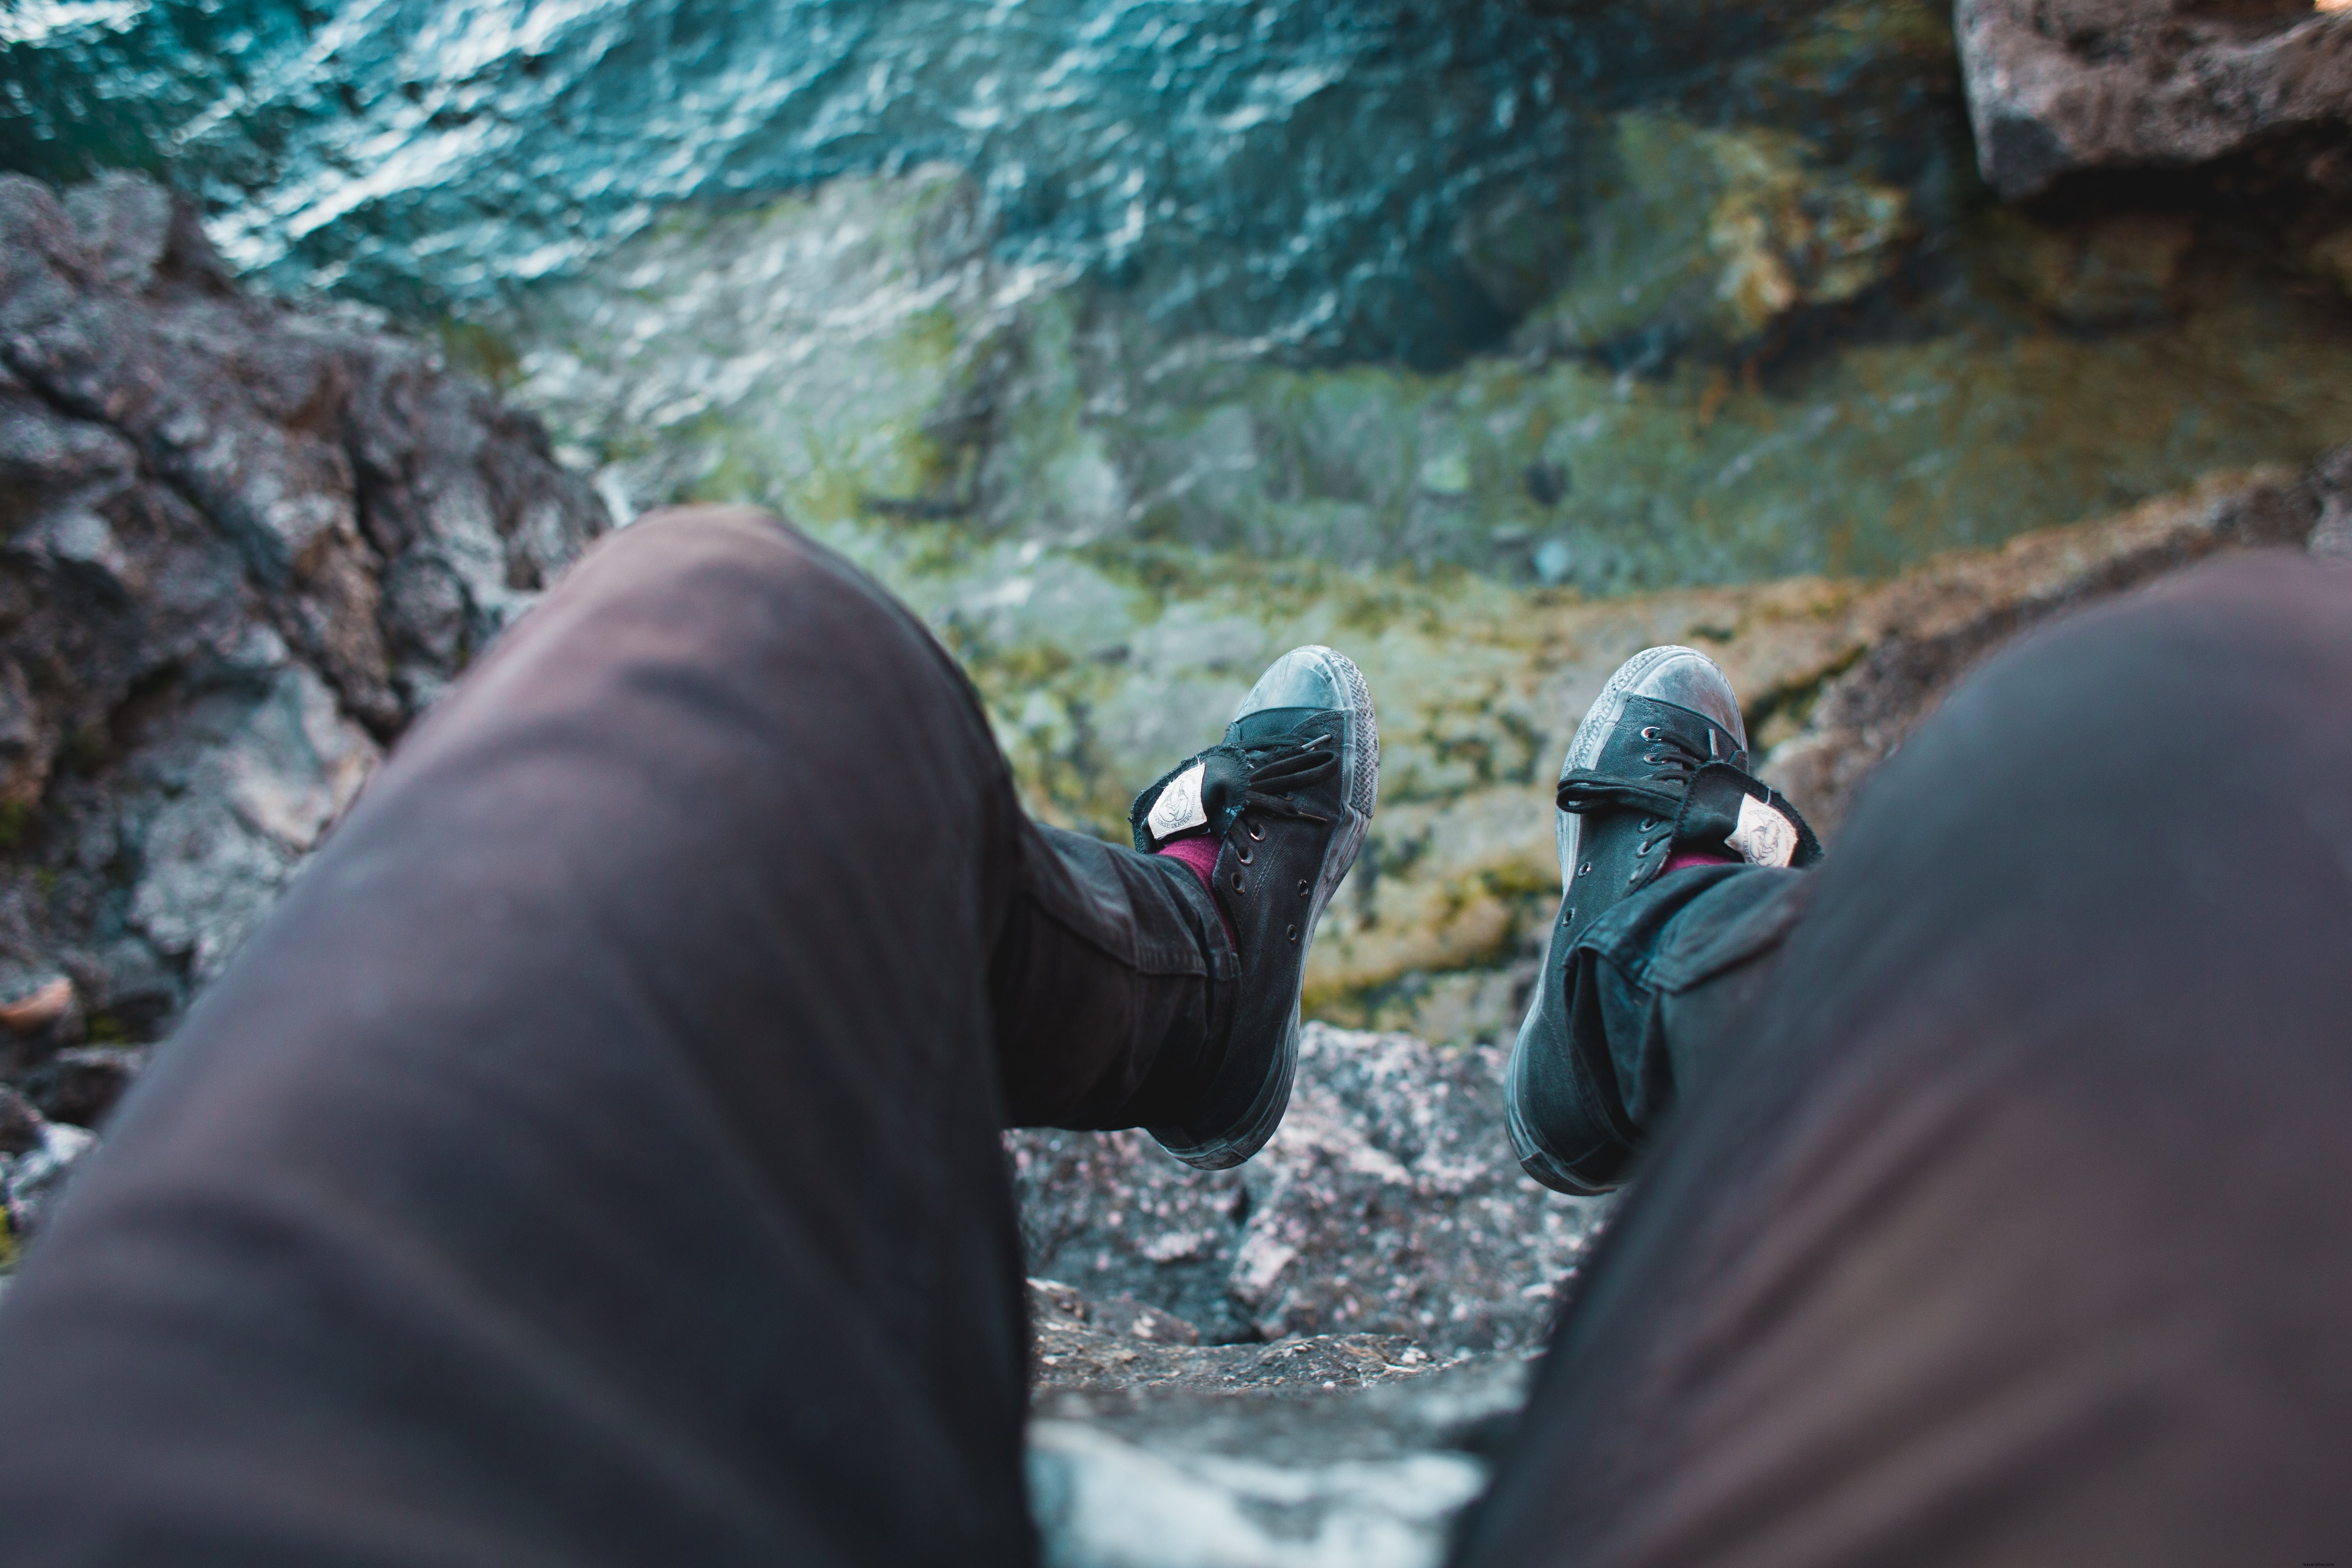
(1283, 167)
(1606, 294)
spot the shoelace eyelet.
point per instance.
(1291, 933)
(1244, 855)
(1649, 732)
(1254, 830)
(1237, 881)
(1306, 888)
(1585, 869)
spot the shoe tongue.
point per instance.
(1224, 789)
(1720, 812)
(1267, 724)
(1208, 794)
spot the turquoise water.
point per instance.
(1288, 169)
(1371, 282)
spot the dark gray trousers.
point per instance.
(594, 1157)
(593, 1160)
(2004, 1214)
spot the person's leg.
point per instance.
(1679, 880)
(594, 1158)
(1245, 842)
(2013, 1228)
(1635, 1012)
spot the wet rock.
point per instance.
(241, 546)
(1388, 1203)
(2058, 87)
(2103, 272)
(831, 353)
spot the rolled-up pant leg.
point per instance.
(593, 1159)
(1652, 994)
(2011, 1226)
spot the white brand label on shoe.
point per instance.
(1179, 805)
(1764, 836)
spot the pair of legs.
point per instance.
(594, 1158)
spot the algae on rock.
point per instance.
(861, 360)
(1707, 237)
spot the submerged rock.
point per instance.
(2057, 87)
(1705, 237)
(1743, 359)
(2110, 270)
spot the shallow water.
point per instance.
(1610, 296)
(1287, 168)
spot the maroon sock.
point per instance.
(1682, 858)
(1200, 856)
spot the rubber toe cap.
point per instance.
(1305, 677)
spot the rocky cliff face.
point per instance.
(241, 546)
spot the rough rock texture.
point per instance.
(2055, 87)
(1388, 1203)
(1126, 1348)
(241, 546)
(1930, 627)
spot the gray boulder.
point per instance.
(2055, 87)
(1386, 1205)
(242, 545)
(1379, 1277)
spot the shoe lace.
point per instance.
(1280, 767)
(1658, 797)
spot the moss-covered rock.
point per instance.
(861, 358)
(1708, 238)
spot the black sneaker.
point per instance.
(1287, 797)
(1659, 763)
